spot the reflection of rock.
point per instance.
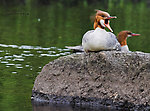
(110, 76)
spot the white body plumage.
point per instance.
(99, 39)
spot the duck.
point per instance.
(122, 38)
(99, 39)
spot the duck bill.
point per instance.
(108, 26)
(111, 17)
(107, 22)
(134, 34)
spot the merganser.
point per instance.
(100, 39)
(122, 38)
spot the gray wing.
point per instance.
(114, 42)
(75, 48)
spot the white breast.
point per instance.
(98, 39)
(95, 40)
(125, 48)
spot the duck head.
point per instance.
(102, 20)
(123, 35)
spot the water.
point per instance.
(19, 67)
(34, 33)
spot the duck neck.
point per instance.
(123, 43)
(97, 24)
(124, 48)
(122, 39)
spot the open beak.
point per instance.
(110, 17)
(108, 26)
(106, 23)
(134, 34)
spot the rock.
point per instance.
(109, 78)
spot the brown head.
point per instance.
(102, 20)
(123, 35)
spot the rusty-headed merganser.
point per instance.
(100, 39)
(122, 38)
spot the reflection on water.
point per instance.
(16, 61)
(35, 32)
(19, 65)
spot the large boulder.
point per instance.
(110, 78)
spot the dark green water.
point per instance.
(33, 34)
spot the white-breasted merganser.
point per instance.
(122, 38)
(99, 39)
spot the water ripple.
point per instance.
(4, 62)
(10, 64)
(14, 55)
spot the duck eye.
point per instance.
(103, 16)
(129, 33)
